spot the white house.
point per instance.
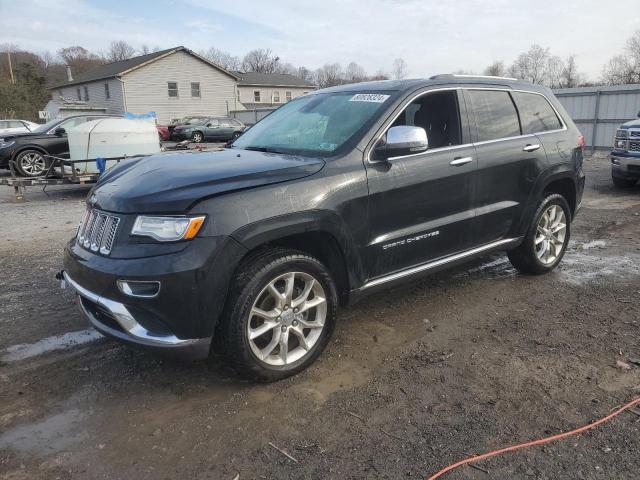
(172, 83)
(259, 90)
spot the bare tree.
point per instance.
(379, 75)
(260, 60)
(222, 58)
(354, 73)
(531, 65)
(119, 50)
(399, 69)
(553, 74)
(496, 69)
(145, 50)
(570, 77)
(329, 75)
(287, 68)
(79, 59)
(305, 74)
(624, 68)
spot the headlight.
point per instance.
(4, 144)
(622, 144)
(167, 229)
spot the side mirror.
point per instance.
(60, 131)
(402, 140)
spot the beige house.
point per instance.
(259, 90)
(172, 83)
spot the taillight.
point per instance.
(581, 143)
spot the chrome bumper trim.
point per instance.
(135, 331)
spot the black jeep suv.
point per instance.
(337, 193)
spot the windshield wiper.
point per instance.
(263, 149)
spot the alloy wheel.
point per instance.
(550, 234)
(197, 137)
(32, 164)
(287, 318)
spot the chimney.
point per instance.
(69, 76)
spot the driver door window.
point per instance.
(438, 114)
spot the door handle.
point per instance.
(531, 147)
(458, 161)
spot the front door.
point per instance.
(421, 205)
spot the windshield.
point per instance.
(46, 127)
(313, 125)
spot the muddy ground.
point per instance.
(415, 378)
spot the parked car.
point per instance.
(163, 133)
(625, 157)
(29, 150)
(333, 196)
(11, 127)
(181, 121)
(213, 129)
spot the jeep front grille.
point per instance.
(98, 231)
(634, 146)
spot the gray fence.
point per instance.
(597, 111)
(250, 117)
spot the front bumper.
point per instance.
(181, 317)
(114, 319)
(625, 166)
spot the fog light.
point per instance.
(135, 288)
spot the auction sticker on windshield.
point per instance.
(369, 97)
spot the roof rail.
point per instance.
(450, 75)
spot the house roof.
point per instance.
(271, 80)
(115, 69)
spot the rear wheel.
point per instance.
(279, 316)
(548, 236)
(31, 163)
(623, 182)
(197, 137)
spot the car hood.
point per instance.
(631, 124)
(172, 183)
(27, 135)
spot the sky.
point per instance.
(431, 36)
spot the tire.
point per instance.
(197, 137)
(261, 357)
(31, 163)
(527, 257)
(623, 182)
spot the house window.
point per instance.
(60, 93)
(86, 94)
(195, 89)
(238, 94)
(79, 94)
(172, 89)
(256, 96)
(287, 96)
(276, 97)
(107, 94)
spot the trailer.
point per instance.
(61, 171)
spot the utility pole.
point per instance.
(10, 68)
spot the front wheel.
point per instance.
(547, 238)
(197, 137)
(279, 315)
(31, 163)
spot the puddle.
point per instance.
(594, 244)
(58, 342)
(51, 435)
(579, 268)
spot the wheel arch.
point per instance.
(321, 234)
(559, 179)
(29, 147)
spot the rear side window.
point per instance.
(536, 115)
(495, 114)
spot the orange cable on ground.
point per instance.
(532, 443)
